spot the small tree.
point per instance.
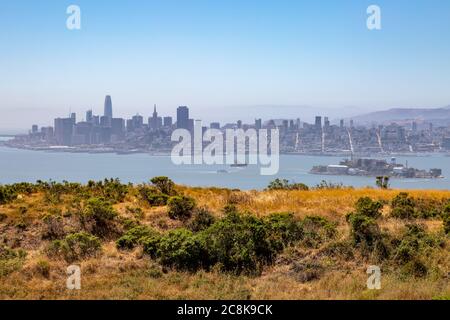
(164, 185)
(181, 207)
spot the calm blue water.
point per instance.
(23, 165)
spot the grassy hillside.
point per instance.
(164, 241)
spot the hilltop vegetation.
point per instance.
(164, 241)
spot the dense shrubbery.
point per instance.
(369, 208)
(402, 206)
(238, 243)
(10, 260)
(159, 192)
(134, 237)
(201, 220)
(412, 247)
(75, 246)
(446, 219)
(164, 185)
(406, 207)
(364, 230)
(180, 207)
(6, 195)
(99, 213)
(284, 184)
(317, 230)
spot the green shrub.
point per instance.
(43, 268)
(402, 206)
(153, 196)
(284, 184)
(283, 230)
(364, 230)
(101, 213)
(75, 246)
(134, 236)
(180, 249)
(368, 207)
(181, 207)
(201, 220)
(7, 194)
(446, 219)
(317, 230)
(164, 185)
(11, 260)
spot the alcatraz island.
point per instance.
(375, 167)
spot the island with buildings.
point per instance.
(374, 168)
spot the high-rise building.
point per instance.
(63, 131)
(326, 122)
(342, 123)
(89, 116)
(168, 122)
(183, 117)
(153, 122)
(214, 125)
(318, 122)
(239, 124)
(108, 107)
(138, 121)
(34, 128)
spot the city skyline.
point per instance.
(228, 59)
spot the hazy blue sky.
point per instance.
(219, 56)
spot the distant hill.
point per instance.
(438, 116)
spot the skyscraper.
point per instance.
(183, 117)
(89, 116)
(108, 107)
(318, 122)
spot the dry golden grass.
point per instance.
(115, 274)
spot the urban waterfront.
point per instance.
(17, 165)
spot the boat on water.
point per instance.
(238, 165)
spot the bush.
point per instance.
(152, 196)
(402, 206)
(317, 230)
(244, 243)
(11, 260)
(364, 230)
(43, 268)
(180, 249)
(7, 194)
(284, 184)
(101, 213)
(164, 185)
(283, 230)
(134, 236)
(368, 207)
(181, 207)
(75, 246)
(446, 219)
(201, 220)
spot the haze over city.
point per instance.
(230, 60)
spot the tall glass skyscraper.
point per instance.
(183, 117)
(108, 107)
